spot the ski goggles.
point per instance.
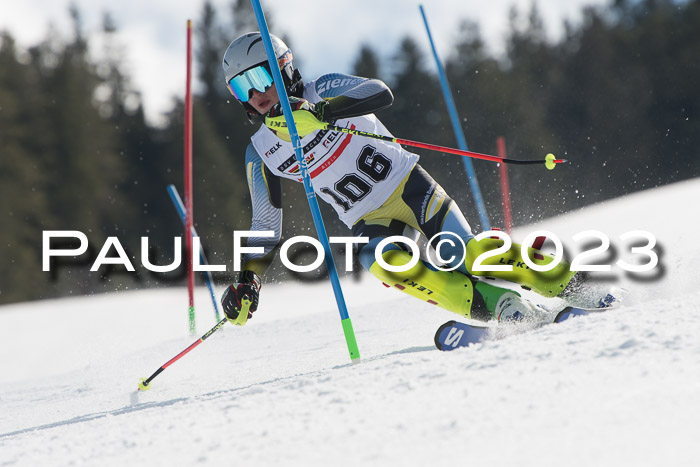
(258, 78)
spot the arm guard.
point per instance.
(351, 96)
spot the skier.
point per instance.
(377, 189)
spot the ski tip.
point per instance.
(438, 344)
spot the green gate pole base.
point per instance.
(350, 338)
(193, 325)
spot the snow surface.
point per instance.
(616, 388)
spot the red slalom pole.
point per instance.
(188, 179)
(505, 188)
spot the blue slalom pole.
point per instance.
(180, 207)
(308, 187)
(469, 167)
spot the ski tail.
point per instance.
(440, 333)
(454, 334)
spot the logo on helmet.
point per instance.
(285, 59)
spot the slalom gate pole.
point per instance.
(310, 194)
(144, 382)
(505, 187)
(208, 279)
(188, 179)
(459, 133)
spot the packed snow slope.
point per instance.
(616, 388)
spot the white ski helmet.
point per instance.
(246, 53)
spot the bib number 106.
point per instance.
(353, 187)
(646, 252)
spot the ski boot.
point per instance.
(511, 307)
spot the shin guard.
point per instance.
(450, 290)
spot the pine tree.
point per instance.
(367, 63)
(24, 203)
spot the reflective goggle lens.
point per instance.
(258, 78)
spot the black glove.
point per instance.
(241, 298)
(320, 109)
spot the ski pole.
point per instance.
(144, 383)
(311, 123)
(549, 161)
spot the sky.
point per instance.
(326, 34)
